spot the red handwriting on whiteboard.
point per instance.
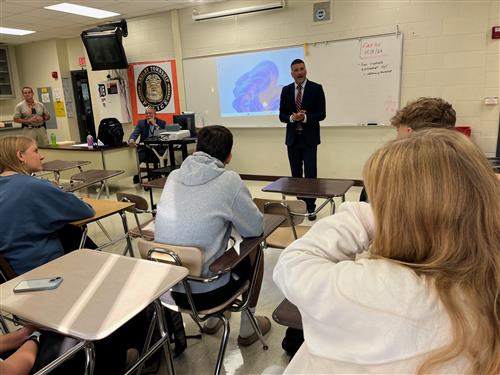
(371, 49)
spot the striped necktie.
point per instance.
(298, 99)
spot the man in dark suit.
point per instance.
(302, 107)
(145, 129)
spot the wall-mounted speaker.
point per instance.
(322, 11)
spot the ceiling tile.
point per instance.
(30, 14)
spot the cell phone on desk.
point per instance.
(36, 285)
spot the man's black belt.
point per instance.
(34, 126)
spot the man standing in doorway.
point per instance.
(302, 107)
(32, 115)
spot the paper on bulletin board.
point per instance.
(68, 96)
(59, 108)
(57, 93)
(45, 97)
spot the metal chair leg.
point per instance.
(4, 327)
(84, 236)
(104, 230)
(89, 358)
(127, 233)
(162, 326)
(256, 328)
(197, 322)
(125, 250)
(148, 339)
(223, 344)
(332, 207)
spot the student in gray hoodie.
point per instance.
(200, 204)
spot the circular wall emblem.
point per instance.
(154, 87)
(320, 14)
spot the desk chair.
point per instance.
(495, 163)
(141, 207)
(147, 162)
(288, 315)
(295, 212)
(155, 160)
(6, 273)
(192, 258)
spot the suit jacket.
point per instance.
(313, 102)
(142, 129)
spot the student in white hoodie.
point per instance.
(425, 298)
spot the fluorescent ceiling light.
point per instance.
(82, 10)
(8, 30)
(242, 10)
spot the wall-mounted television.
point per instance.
(105, 49)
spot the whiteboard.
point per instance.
(361, 78)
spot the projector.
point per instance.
(174, 136)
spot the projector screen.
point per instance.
(240, 89)
(250, 83)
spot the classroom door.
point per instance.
(83, 104)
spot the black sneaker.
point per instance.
(311, 217)
(135, 179)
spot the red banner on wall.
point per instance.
(154, 83)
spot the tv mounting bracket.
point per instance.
(122, 25)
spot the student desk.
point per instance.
(157, 183)
(105, 208)
(311, 188)
(57, 166)
(89, 178)
(231, 258)
(100, 293)
(120, 157)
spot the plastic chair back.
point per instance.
(295, 210)
(140, 202)
(190, 257)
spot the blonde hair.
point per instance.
(436, 203)
(9, 147)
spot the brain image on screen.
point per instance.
(258, 90)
